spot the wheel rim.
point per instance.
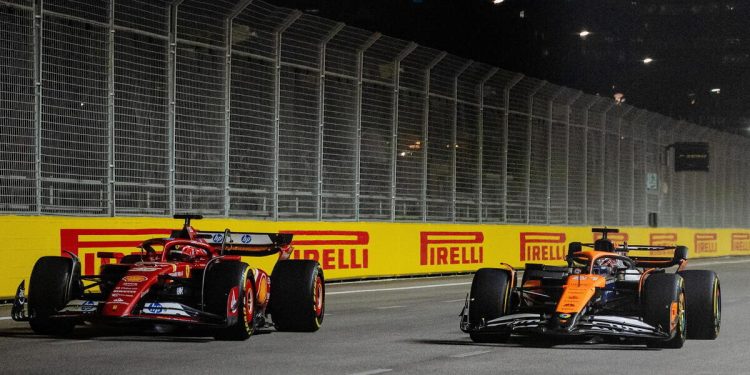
(681, 322)
(717, 308)
(318, 297)
(249, 303)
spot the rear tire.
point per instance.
(297, 296)
(229, 292)
(703, 294)
(662, 293)
(489, 299)
(54, 281)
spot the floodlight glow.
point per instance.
(716, 91)
(497, 1)
(584, 33)
(648, 60)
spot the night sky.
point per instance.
(696, 45)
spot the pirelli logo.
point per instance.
(706, 243)
(437, 248)
(85, 243)
(740, 241)
(662, 239)
(334, 250)
(616, 238)
(542, 246)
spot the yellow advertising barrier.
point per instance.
(346, 250)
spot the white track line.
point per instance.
(400, 288)
(470, 354)
(389, 307)
(373, 372)
(5, 318)
(455, 300)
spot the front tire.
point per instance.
(489, 299)
(664, 307)
(703, 294)
(230, 292)
(297, 295)
(54, 282)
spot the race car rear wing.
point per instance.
(247, 244)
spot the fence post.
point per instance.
(358, 116)
(454, 137)
(568, 104)
(38, 39)
(480, 140)
(529, 131)
(394, 125)
(228, 21)
(425, 128)
(550, 107)
(172, 93)
(321, 111)
(603, 170)
(506, 104)
(290, 19)
(111, 206)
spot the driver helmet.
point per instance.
(188, 253)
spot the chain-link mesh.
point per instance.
(17, 139)
(246, 109)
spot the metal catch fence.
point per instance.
(238, 108)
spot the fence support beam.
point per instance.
(228, 22)
(394, 121)
(290, 19)
(172, 92)
(425, 128)
(38, 39)
(358, 115)
(321, 111)
(506, 105)
(111, 206)
(454, 137)
(548, 193)
(480, 140)
(529, 130)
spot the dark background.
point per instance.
(696, 45)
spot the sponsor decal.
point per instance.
(740, 241)
(118, 300)
(617, 238)
(564, 316)
(125, 285)
(438, 248)
(706, 243)
(88, 306)
(218, 237)
(246, 238)
(134, 279)
(542, 246)
(336, 250)
(145, 269)
(154, 308)
(662, 239)
(85, 243)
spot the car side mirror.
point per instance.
(573, 248)
(680, 253)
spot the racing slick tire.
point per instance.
(54, 282)
(703, 309)
(663, 302)
(229, 292)
(297, 295)
(489, 298)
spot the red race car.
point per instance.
(191, 278)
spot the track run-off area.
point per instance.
(407, 326)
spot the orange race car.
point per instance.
(603, 292)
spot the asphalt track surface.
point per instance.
(397, 326)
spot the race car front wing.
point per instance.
(587, 325)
